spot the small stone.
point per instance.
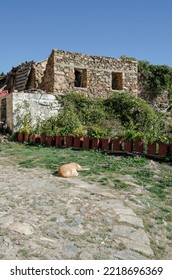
(45, 239)
(71, 251)
(141, 247)
(132, 220)
(137, 235)
(6, 221)
(22, 228)
(129, 255)
(7, 240)
(78, 219)
(78, 230)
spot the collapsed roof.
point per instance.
(17, 78)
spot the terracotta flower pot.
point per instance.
(170, 149)
(106, 144)
(59, 141)
(151, 148)
(162, 149)
(36, 138)
(49, 140)
(69, 141)
(86, 143)
(128, 146)
(20, 137)
(26, 137)
(43, 138)
(95, 143)
(78, 142)
(139, 146)
(117, 145)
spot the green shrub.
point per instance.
(89, 110)
(155, 78)
(68, 121)
(130, 110)
(96, 131)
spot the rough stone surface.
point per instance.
(39, 105)
(129, 255)
(59, 75)
(157, 101)
(47, 217)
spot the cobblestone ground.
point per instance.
(46, 217)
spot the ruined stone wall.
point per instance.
(9, 103)
(40, 105)
(60, 74)
(7, 100)
(47, 83)
(36, 75)
(159, 102)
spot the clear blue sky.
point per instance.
(136, 28)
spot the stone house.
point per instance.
(94, 76)
(61, 73)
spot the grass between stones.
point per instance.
(141, 181)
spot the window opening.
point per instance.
(117, 81)
(80, 78)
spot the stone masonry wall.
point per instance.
(36, 75)
(59, 75)
(40, 105)
(8, 101)
(157, 101)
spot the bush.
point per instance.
(130, 110)
(89, 110)
(98, 132)
(155, 78)
(120, 114)
(68, 121)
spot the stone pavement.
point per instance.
(46, 217)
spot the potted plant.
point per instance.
(59, 139)
(128, 140)
(43, 129)
(26, 131)
(162, 145)
(106, 140)
(138, 142)
(20, 135)
(169, 139)
(68, 122)
(96, 133)
(67, 136)
(23, 122)
(151, 145)
(79, 134)
(117, 142)
(36, 134)
(49, 137)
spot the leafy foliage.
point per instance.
(130, 110)
(155, 78)
(89, 110)
(121, 114)
(2, 74)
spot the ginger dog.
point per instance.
(70, 170)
